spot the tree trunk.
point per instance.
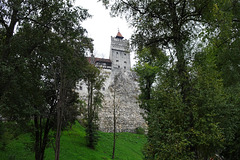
(59, 126)
(90, 117)
(40, 143)
(45, 139)
(37, 140)
(114, 124)
(60, 107)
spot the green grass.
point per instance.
(73, 147)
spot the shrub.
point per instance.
(140, 130)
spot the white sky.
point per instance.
(102, 26)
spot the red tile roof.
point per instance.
(119, 35)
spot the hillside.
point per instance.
(73, 147)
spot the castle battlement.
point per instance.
(119, 44)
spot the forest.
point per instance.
(187, 55)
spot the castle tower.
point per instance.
(119, 52)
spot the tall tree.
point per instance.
(114, 89)
(94, 80)
(225, 46)
(114, 122)
(177, 116)
(42, 56)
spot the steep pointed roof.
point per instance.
(119, 35)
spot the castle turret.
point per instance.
(119, 52)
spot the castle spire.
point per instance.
(119, 35)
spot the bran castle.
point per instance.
(118, 73)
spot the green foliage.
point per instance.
(230, 122)
(34, 51)
(226, 49)
(74, 146)
(10, 131)
(42, 56)
(151, 61)
(94, 81)
(2, 137)
(140, 130)
(190, 105)
(92, 136)
(177, 130)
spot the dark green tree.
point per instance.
(223, 38)
(225, 46)
(42, 56)
(94, 80)
(185, 97)
(150, 63)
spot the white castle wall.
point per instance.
(128, 113)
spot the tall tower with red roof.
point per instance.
(119, 52)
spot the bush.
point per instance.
(140, 130)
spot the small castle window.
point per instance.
(116, 60)
(125, 62)
(80, 87)
(124, 67)
(117, 52)
(103, 88)
(124, 54)
(118, 66)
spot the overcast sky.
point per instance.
(102, 26)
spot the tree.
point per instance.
(94, 80)
(114, 123)
(113, 88)
(223, 40)
(150, 63)
(224, 44)
(177, 115)
(42, 56)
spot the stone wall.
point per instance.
(128, 113)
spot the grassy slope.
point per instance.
(73, 147)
